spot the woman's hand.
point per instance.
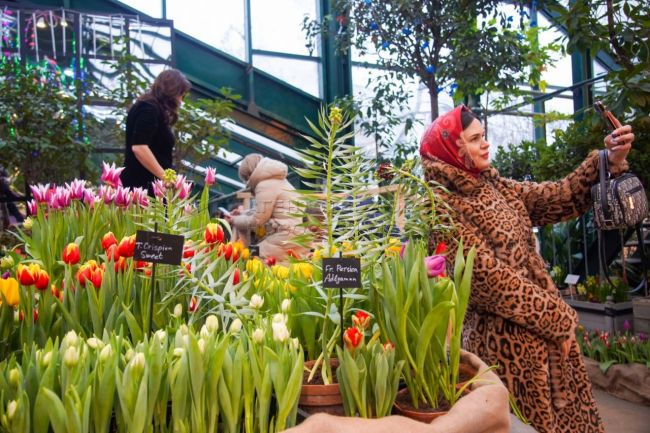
(618, 144)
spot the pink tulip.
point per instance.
(89, 197)
(77, 188)
(180, 180)
(111, 175)
(107, 194)
(60, 199)
(188, 209)
(40, 192)
(435, 265)
(122, 197)
(403, 249)
(139, 196)
(185, 190)
(32, 207)
(159, 188)
(210, 176)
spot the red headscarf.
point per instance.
(440, 141)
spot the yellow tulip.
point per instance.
(9, 288)
(303, 270)
(245, 254)
(281, 272)
(316, 256)
(254, 266)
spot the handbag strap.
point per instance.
(603, 175)
(602, 258)
(644, 263)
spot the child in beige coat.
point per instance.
(274, 196)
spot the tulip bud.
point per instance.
(286, 304)
(95, 343)
(46, 359)
(106, 353)
(11, 409)
(194, 303)
(137, 363)
(70, 339)
(205, 333)
(352, 338)
(361, 319)
(126, 248)
(6, 262)
(280, 331)
(14, 377)
(256, 302)
(107, 240)
(201, 344)
(235, 326)
(178, 352)
(161, 336)
(71, 357)
(295, 343)
(258, 336)
(128, 356)
(178, 311)
(212, 323)
(236, 276)
(41, 280)
(184, 330)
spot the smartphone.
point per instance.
(610, 121)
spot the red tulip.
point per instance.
(193, 304)
(35, 314)
(26, 275)
(270, 261)
(42, 281)
(388, 346)
(236, 277)
(112, 253)
(353, 338)
(440, 248)
(96, 277)
(107, 240)
(120, 265)
(188, 251)
(213, 233)
(227, 251)
(56, 292)
(126, 246)
(71, 254)
(361, 319)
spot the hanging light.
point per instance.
(40, 23)
(64, 23)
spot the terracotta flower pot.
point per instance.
(316, 397)
(403, 407)
(465, 373)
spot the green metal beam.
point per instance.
(337, 68)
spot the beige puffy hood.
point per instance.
(267, 169)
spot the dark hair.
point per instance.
(467, 117)
(164, 92)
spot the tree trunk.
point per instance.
(433, 94)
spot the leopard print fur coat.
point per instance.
(516, 318)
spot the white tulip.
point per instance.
(178, 311)
(295, 343)
(256, 302)
(201, 344)
(95, 343)
(212, 323)
(11, 409)
(258, 336)
(14, 377)
(286, 304)
(205, 333)
(280, 332)
(70, 339)
(106, 353)
(71, 357)
(235, 326)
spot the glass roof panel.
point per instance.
(276, 25)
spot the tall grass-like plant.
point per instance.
(423, 316)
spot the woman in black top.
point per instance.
(149, 137)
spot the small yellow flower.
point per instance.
(393, 251)
(169, 176)
(335, 117)
(245, 254)
(281, 272)
(347, 246)
(316, 256)
(28, 223)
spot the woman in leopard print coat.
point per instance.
(516, 318)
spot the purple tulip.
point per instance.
(626, 326)
(122, 197)
(6, 275)
(435, 265)
(159, 188)
(77, 188)
(106, 193)
(401, 251)
(642, 337)
(139, 196)
(210, 176)
(184, 190)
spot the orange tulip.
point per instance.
(120, 265)
(213, 233)
(353, 338)
(71, 254)
(96, 277)
(126, 248)
(361, 319)
(107, 240)
(56, 292)
(42, 280)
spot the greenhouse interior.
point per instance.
(324, 216)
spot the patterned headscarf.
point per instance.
(440, 140)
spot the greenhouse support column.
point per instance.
(336, 68)
(252, 107)
(539, 132)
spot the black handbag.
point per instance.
(620, 202)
